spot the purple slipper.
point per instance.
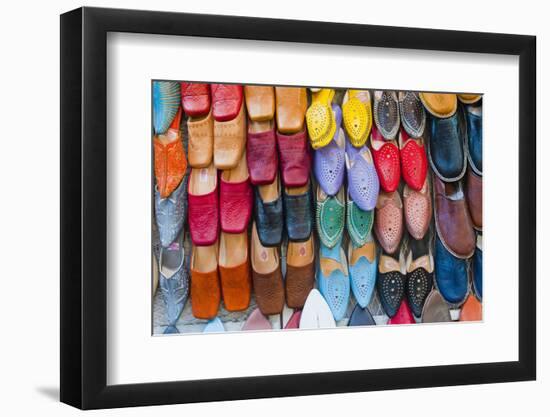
(329, 161)
(363, 183)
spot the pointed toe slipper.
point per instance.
(386, 113)
(439, 105)
(227, 101)
(403, 316)
(362, 271)
(357, 111)
(413, 115)
(205, 282)
(435, 310)
(316, 313)
(261, 152)
(291, 105)
(386, 161)
(260, 102)
(333, 279)
(417, 206)
(214, 326)
(171, 213)
(420, 271)
(361, 316)
(294, 320)
(363, 182)
(320, 118)
(195, 99)
(166, 103)
(358, 222)
(329, 161)
(330, 217)
(390, 284)
(300, 272)
(414, 162)
(234, 267)
(388, 221)
(257, 321)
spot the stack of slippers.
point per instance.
(196, 103)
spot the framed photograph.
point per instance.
(259, 208)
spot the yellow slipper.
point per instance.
(439, 105)
(469, 98)
(357, 113)
(321, 123)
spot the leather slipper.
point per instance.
(294, 320)
(333, 279)
(386, 161)
(439, 105)
(229, 141)
(420, 272)
(471, 310)
(294, 158)
(417, 207)
(227, 100)
(300, 272)
(320, 118)
(291, 108)
(257, 321)
(201, 140)
(403, 316)
(361, 316)
(214, 326)
(203, 206)
(362, 270)
(412, 113)
(390, 284)
(316, 313)
(357, 110)
(469, 98)
(195, 99)
(386, 113)
(166, 103)
(234, 269)
(266, 276)
(260, 102)
(235, 198)
(205, 283)
(261, 152)
(268, 213)
(298, 207)
(414, 162)
(435, 309)
(388, 221)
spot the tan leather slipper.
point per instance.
(439, 105)
(291, 109)
(300, 272)
(201, 140)
(205, 284)
(469, 98)
(229, 141)
(235, 270)
(260, 102)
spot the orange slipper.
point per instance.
(471, 310)
(205, 284)
(291, 109)
(234, 269)
(260, 102)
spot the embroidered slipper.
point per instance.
(390, 284)
(361, 316)
(418, 210)
(316, 313)
(195, 99)
(205, 282)
(321, 122)
(227, 100)
(330, 217)
(295, 159)
(291, 105)
(333, 279)
(300, 272)
(171, 213)
(235, 198)
(229, 141)
(266, 276)
(166, 103)
(435, 309)
(472, 310)
(170, 159)
(363, 183)
(358, 222)
(268, 213)
(234, 267)
(257, 321)
(362, 270)
(414, 162)
(386, 160)
(214, 326)
(203, 206)
(439, 105)
(388, 222)
(261, 152)
(200, 145)
(386, 113)
(329, 161)
(413, 115)
(357, 111)
(469, 98)
(260, 102)
(403, 316)
(420, 271)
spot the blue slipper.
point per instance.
(333, 279)
(362, 270)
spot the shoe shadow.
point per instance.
(50, 392)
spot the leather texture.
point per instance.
(451, 275)
(257, 321)
(269, 291)
(446, 149)
(452, 221)
(469, 98)
(204, 218)
(298, 217)
(195, 99)
(205, 293)
(330, 165)
(335, 287)
(260, 102)
(294, 320)
(269, 219)
(471, 310)
(299, 280)
(404, 315)
(291, 105)
(417, 207)
(236, 286)
(229, 141)
(358, 116)
(363, 183)
(227, 101)
(235, 205)
(166, 103)
(361, 316)
(294, 157)
(363, 276)
(474, 198)
(439, 105)
(414, 162)
(261, 157)
(387, 162)
(170, 165)
(419, 285)
(435, 309)
(475, 140)
(201, 141)
(330, 218)
(358, 222)
(320, 118)
(477, 267)
(386, 113)
(171, 213)
(391, 290)
(413, 115)
(388, 221)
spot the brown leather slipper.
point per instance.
(235, 270)
(205, 284)
(300, 272)
(291, 109)
(260, 102)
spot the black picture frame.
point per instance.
(84, 207)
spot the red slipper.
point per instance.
(226, 101)
(261, 152)
(295, 158)
(203, 206)
(403, 316)
(414, 162)
(235, 198)
(195, 99)
(386, 160)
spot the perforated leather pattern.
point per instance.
(336, 290)
(391, 290)
(356, 121)
(330, 217)
(386, 160)
(389, 227)
(321, 125)
(418, 213)
(414, 164)
(359, 223)
(386, 115)
(419, 285)
(413, 115)
(363, 279)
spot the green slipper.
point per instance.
(359, 223)
(330, 215)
